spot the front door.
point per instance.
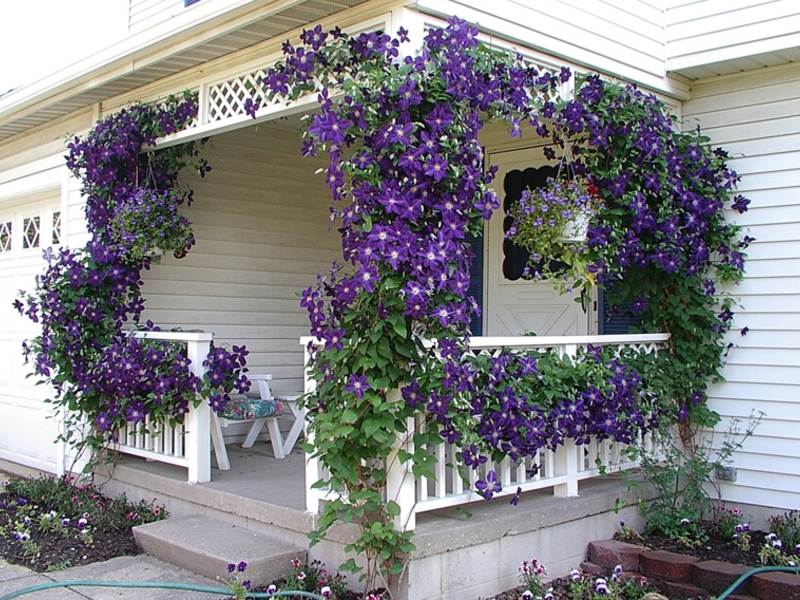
(516, 306)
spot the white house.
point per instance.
(261, 219)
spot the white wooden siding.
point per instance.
(145, 13)
(700, 32)
(261, 222)
(620, 37)
(754, 117)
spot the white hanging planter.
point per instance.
(154, 252)
(576, 230)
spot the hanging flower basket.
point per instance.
(558, 213)
(148, 223)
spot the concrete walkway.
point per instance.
(126, 568)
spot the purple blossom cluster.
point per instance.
(521, 402)
(86, 298)
(415, 186)
(669, 187)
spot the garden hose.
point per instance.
(153, 584)
(745, 576)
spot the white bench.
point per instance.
(281, 447)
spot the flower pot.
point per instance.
(576, 230)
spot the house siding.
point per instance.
(620, 37)
(699, 32)
(261, 222)
(753, 116)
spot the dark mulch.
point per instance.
(59, 552)
(716, 548)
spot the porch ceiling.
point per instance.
(154, 59)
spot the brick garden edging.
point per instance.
(681, 576)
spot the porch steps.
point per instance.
(206, 546)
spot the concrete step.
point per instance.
(207, 546)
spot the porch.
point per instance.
(460, 555)
(465, 545)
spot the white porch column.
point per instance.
(400, 482)
(198, 420)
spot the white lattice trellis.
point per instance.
(227, 99)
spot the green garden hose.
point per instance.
(153, 584)
(745, 576)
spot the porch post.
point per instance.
(312, 475)
(198, 420)
(566, 458)
(400, 483)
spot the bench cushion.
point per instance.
(242, 408)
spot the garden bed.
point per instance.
(51, 524)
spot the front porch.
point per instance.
(466, 547)
(460, 555)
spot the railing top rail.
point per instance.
(482, 343)
(548, 341)
(175, 336)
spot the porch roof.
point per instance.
(206, 32)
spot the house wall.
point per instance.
(624, 38)
(261, 222)
(699, 32)
(755, 117)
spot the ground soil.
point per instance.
(59, 552)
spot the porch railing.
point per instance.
(187, 445)
(561, 471)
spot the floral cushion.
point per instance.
(239, 409)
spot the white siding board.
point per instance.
(766, 251)
(261, 223)
(755, 118)
(565, 30)
(711, 32)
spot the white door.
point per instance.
(27, 429)
(516, 306)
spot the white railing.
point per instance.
(188, 445)
(561, 470)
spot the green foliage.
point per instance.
(786, 527)
(681, 468)
(70, 500)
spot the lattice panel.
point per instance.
(56, 228)
(5, 236)
(227, 99)
(30, 232)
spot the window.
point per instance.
(30, 232)
(5, 236)
(56, 228)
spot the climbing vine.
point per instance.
(89, 299)
(407, 179)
